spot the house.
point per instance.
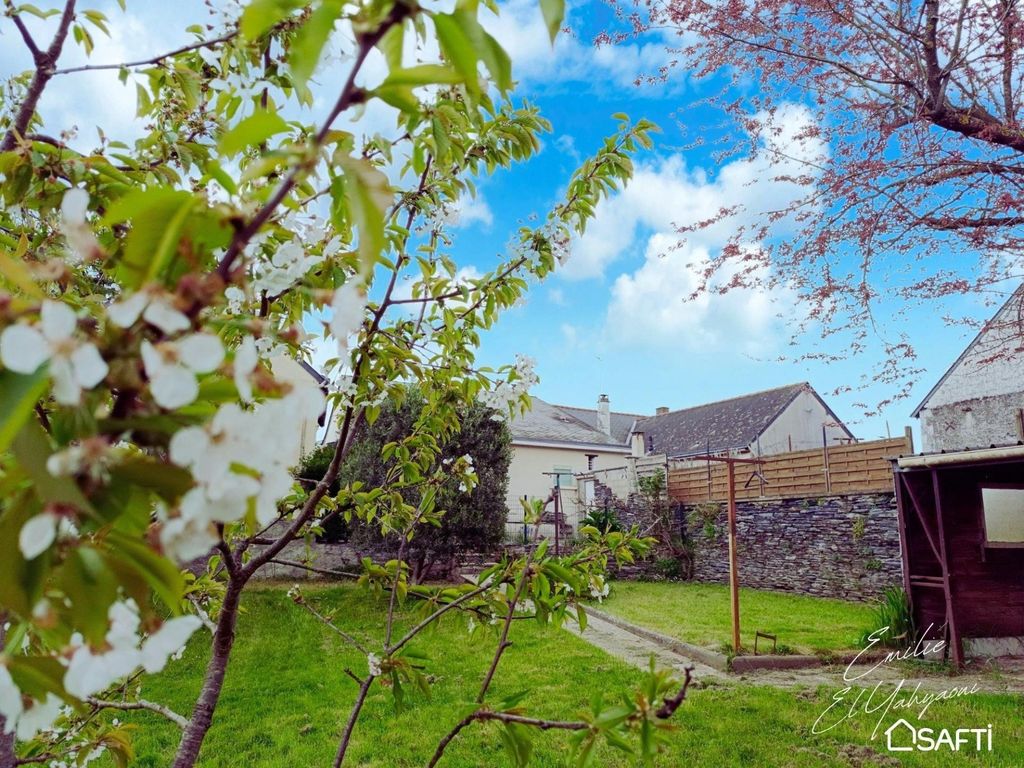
(979, 400)
(551, 444)
(299, 373)
(790, 418)
(961, 518)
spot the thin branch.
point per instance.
(202, 614)
(313, 569)
(504, 717)
(350, 94)
(670, 705)
(435, 616)
(155, 59)
(44, 71)
(25, 34)
(151, 706)
(353, 716)
(332, 626)
(503, 642)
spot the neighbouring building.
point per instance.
(978, 402)
(780, 420)
(552, 444)
(299, 373)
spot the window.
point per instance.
(566, 479)
(1004, 516)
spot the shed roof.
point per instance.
(720, 426)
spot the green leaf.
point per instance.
(38, 675)
(254, 129)
(458, 47)
(21, 581)
(158, 216)
(553, 12)
(311, 38)
(423, 74)
(14, 271)
(260, 15)
(31, 448)
(368, 195)
(18, 396)
(160, 573)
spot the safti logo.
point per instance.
(902, 736)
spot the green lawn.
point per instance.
(286, 698)
(701, 614)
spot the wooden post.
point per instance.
(908, 435)
(955, 645)
(734, 580)
(558, 502)
(824, 453)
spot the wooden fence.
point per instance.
(840, 469)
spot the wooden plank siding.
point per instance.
(854, 468)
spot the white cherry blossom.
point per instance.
(37, 534)
(89, 672)
(246, 359)
(153, 305)
(373, 663)
(236, 468)
(10, 700)
(172, 367)
(74, 364)
(347, 308)
(73, 207)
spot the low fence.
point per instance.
(855, 468)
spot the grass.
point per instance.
(701, 614)
(286, 699)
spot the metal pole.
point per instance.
(734, 580)
(558, 499)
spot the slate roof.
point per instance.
(621, 423)
(722, 426)
(558, 424)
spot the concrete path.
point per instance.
(636, 650)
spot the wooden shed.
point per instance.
(961, 520)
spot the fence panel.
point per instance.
(839, 469)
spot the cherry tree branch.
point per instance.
(137, 704)
(353, 716)
(211, 43)
(482, 715)
(503, 641)
(45, 62)
(23, 30)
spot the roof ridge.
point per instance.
(736, 397)
(594, 410)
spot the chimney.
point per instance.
(661, 410)
(638, 445)
(604, 416)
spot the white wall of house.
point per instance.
(978, 402)
(286, 370)
(529, 463)
(798, 428)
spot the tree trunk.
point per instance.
(7, 755)
(213, 682)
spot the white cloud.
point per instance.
(570, 335)
(557, 297)
(666, 195)
(652, 305)
(521, 31)
(472, 210)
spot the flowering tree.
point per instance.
(144, 288)
(908, 153)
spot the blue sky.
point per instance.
(615, 319)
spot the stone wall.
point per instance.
(834, 546)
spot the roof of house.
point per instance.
(621, 423)
(1017, 294)
(558, 424)
(720, 426)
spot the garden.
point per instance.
(287, 696)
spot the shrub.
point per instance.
(604, 519)
(893, 615)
